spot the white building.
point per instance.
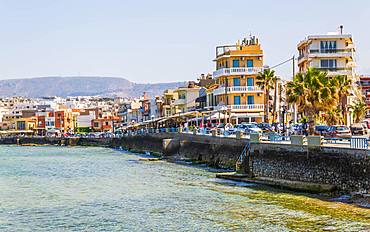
(333, 53)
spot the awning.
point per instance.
(17, 132)
(216, 116)
(187, 114)
(53, 131)
(221, 116)
(249, 115)
(163, 120)
(197, 119)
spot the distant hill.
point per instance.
(80, 86)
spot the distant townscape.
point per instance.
(325, 90)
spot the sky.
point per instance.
(163, 41)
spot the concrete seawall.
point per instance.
(346, 169)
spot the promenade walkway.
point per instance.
(357, 142)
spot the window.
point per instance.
(328, 46)
(328, 63)
(236, 100)
(236, 81)
(96, 124)
(106, 123)
(182, 96)
(250, 100)
(249, 63)
(250, 81)
(235, 63)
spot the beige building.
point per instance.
(169, 98)
(333, 53)
(186, 98)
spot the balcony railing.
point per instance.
(238, 89)
(301, 56)
(236, 71)
(336, 70)
(258, 107)
(348, 51)
(330, 50)
(246, 107)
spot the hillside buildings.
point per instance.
(52, 114)
(231, 94)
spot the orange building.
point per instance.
(237, 67)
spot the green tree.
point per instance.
(344, 86)
(358, 110)
(266, 81)
(334, 117)
(313, 92)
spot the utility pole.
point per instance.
(295, 105)
(293, 61)
(293, 72)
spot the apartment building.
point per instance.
(365, 88)
(84, 118)
(333, 53)
(169, 98)
(129, 111)
(186, 98)
(237, 67)
(26, 124)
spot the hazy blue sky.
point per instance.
(161, 41)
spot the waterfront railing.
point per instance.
(270, 137)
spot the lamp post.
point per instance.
(284, 112)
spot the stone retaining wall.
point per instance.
(347, 169)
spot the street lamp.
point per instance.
(284, 112)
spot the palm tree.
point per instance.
(334, 117)
(313, 92)
(358, 110)
(265, 80)
(344, 86)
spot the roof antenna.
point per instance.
(341, 29)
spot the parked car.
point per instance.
(232, 130)
(339, 131)
(265, 127)
(297, 129)
(220, 128)
(359, 129)
(321, 130)
(251, 128)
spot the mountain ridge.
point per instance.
(65, 86)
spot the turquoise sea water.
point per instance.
(100, 189)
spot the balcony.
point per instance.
(181, 101)
(237, 89)
(323, 53)
(302, 57)
(250, 107)
(336, 71)
(258, 107)
(236, 71)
